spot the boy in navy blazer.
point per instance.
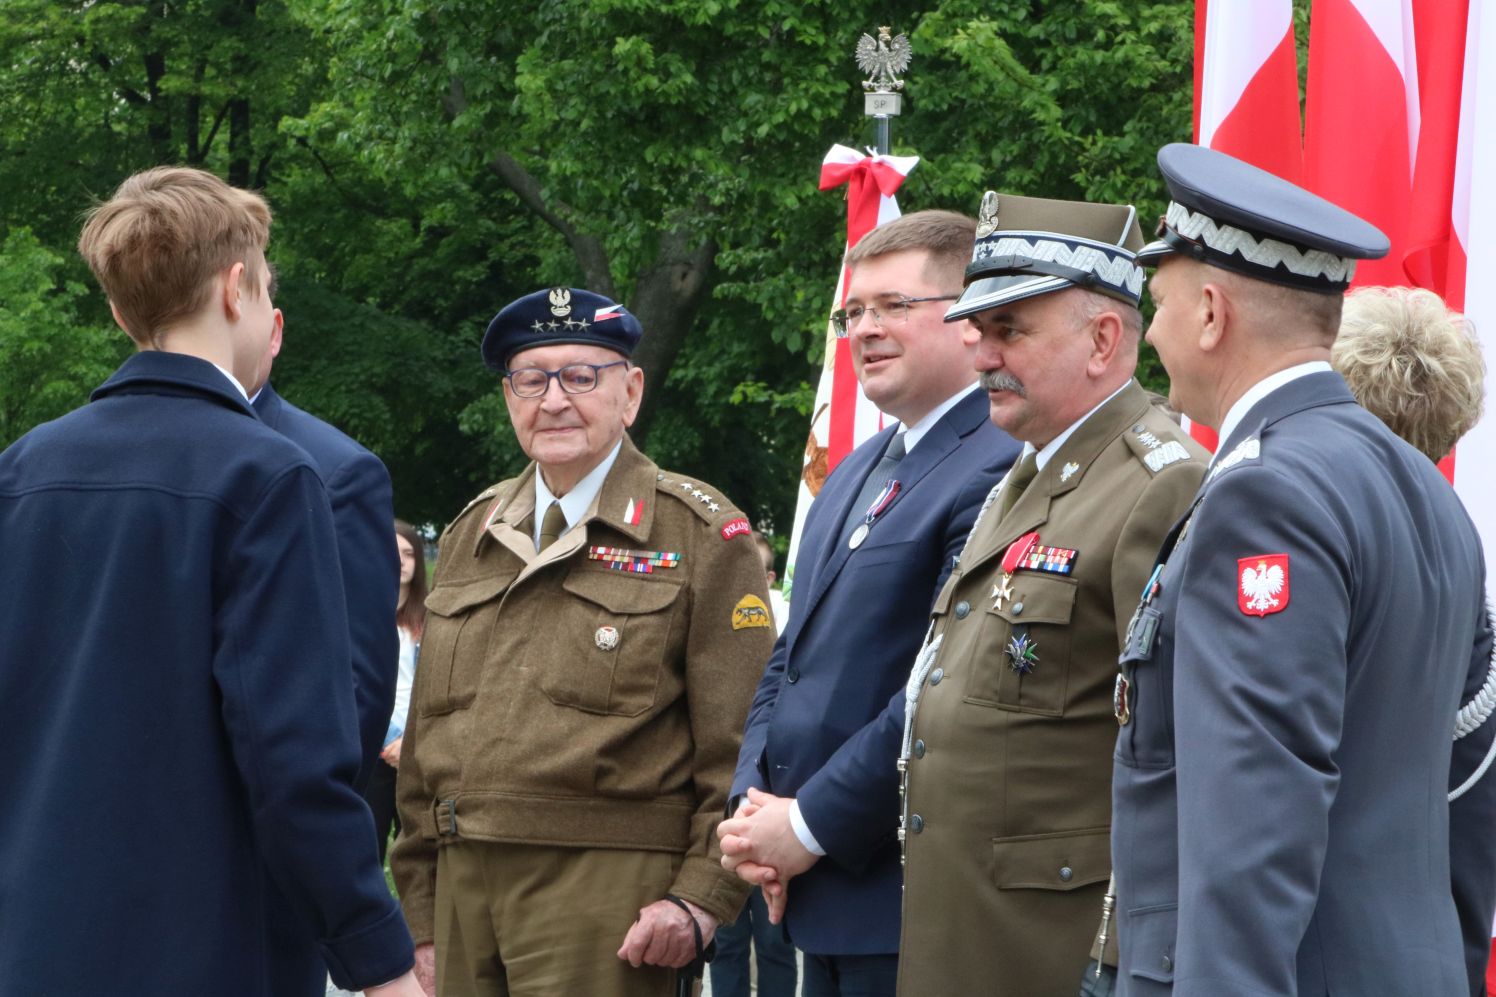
(817, 767)
(179, 741)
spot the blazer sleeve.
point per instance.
(1472, 856)
(363, 514)
(281, 641)
(851, 804)
(1261, 702)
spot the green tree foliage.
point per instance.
(430, 160)
(51, 357)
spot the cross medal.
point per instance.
(1002, 590)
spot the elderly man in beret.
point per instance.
(1289, 681)
(595, 628)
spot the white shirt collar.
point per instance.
(1053, 446)
(234, 381)
(1261, 390)
(575, 503)
(913, 434)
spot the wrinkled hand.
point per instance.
(426, 967)
(759, 844)
(391, 753)
(663, 937)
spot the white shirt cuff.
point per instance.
(802, 830)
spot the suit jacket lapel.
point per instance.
(937, 444)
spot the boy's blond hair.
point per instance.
(157, 244)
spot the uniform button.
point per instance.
(793, 675)
(936, 676)
(1017, 608)
(1138, 428)
(962, 608)
(919, 749)
(1066, 874)
(916, 824)
(1167, 964)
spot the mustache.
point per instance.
(1001, 380)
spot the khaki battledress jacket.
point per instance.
(1009, 777)
(592, 695)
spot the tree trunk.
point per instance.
(667, 298)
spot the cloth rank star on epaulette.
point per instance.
(639, 562)
(1248, 449)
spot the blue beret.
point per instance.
(559, 315)
(1232, 215)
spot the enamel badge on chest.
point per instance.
(606, 638)
(1262, 584)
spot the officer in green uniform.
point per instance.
(594, 633)
(1009, 728)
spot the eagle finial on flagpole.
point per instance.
(883, 58)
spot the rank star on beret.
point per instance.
(559, 315)
(1232, 215)
(1032, 245)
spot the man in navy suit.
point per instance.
(822, 740)
(358, 487)
(173, 648)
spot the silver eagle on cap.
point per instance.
(560, 302)
(883, 58)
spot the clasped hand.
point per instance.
(759, 844)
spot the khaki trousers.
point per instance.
(541, 921)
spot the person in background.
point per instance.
(410, 620)
(777, 605)
(1416, 364)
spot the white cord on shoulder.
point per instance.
(1475, 713)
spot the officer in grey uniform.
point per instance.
(1289, 680)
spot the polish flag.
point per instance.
(843, 416)
(1247, 93)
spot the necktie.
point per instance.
(552, 526)
(874, 484)
(1019, 480)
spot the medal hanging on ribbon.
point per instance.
(1002, 591)
(877, 508)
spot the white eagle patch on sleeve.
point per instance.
(1261, 586)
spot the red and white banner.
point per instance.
(843, 417)
(1247, 93)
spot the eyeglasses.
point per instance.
(896, 310)
(574, 378)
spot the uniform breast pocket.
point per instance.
(1026, 666)
(619, 631)
(454, 648)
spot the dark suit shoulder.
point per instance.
(328, 446)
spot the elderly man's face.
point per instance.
(1031, 359)
(566, 434)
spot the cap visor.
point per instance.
(1153, 254)
(990, 292)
